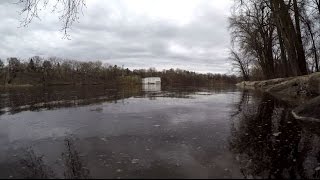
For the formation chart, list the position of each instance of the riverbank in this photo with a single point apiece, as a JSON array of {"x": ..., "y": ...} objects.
[{"x": 302, "y": 91}]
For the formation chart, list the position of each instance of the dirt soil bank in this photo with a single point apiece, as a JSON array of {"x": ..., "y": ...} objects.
[{"x": 303, "y": 91}]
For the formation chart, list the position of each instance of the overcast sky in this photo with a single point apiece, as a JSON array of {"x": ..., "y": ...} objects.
[{"x": 185, "y": 34}]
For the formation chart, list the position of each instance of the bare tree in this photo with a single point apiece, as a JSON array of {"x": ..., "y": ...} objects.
[
  {"x": 240, "y": 63},
  {"x": 291, "y": 33},
  {"x": 317, "y": 5},
  {"x": 310, "y": 18},
  {"x": 68, "y": 14},
  {"x": 253, "y": 32},
  {"x": 283, "y": 36},
  {"x": 310, "y": 30}
]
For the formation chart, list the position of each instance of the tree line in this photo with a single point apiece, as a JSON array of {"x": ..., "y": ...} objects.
[
  {"x": 275, "y": 38},
  {"x": 58, "y": 71}
]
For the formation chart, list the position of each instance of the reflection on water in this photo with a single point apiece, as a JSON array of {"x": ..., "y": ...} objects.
[
  {"x": 16, "y": 100},
  {"x": 32, "y": 165},
  {"x": 74, "y": 167},
  {"x": 157, "y": 133},
  {"x": 151, "y": 87},
  {"x": 269, "y": 143},
  {"x": 152, "y": 90}
]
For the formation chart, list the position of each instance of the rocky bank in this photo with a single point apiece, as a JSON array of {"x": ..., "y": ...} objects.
[{"x": 303, "y": 91}]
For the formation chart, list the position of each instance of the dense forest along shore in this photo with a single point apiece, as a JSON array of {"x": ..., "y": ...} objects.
[{"x": 54, "y": 71}]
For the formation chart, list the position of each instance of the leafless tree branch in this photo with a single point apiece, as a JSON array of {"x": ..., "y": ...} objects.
[{"x": 68, "y": 14}]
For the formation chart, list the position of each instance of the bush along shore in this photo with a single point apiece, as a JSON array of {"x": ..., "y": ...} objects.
[{"x": 303, "y": 91}]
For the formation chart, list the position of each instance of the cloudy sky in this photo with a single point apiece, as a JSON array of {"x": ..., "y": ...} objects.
[{"x": 185, "y": 34}]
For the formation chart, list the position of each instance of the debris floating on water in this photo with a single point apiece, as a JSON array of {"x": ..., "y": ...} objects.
[
  {"x": 103, "y": 139},
  {"x": 276, "y": 134},
  {"x": 134, "y": 161}
]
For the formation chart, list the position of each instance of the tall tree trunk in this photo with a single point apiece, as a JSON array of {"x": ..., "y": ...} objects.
[
  {"x": 269, "y": 60},
  {"x": 286, "y": 68},
  {"x": 300, "y": 51},
  {"x": 285, "y": 64},
  {"x": 291, "y": 39},
  {"x": 314, "y": 48}
]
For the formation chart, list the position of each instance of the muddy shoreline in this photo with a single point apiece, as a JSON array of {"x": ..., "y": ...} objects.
[{"x": 301, "y": 91}]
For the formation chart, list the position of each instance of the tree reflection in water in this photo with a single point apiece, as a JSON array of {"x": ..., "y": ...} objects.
[
  {"x": 270, "y": 143},
  {"x": 34, "y": 167},
  {"x": 74, "y": 167}
]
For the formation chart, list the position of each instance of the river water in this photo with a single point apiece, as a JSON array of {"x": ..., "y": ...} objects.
[{"x": 153, "y": 132}]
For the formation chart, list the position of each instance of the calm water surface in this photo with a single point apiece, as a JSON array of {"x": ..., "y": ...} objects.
[{"x": 153, "y": 132}]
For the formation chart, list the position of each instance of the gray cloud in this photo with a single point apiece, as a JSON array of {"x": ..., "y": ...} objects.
[{"x": 111, "y": 32}]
